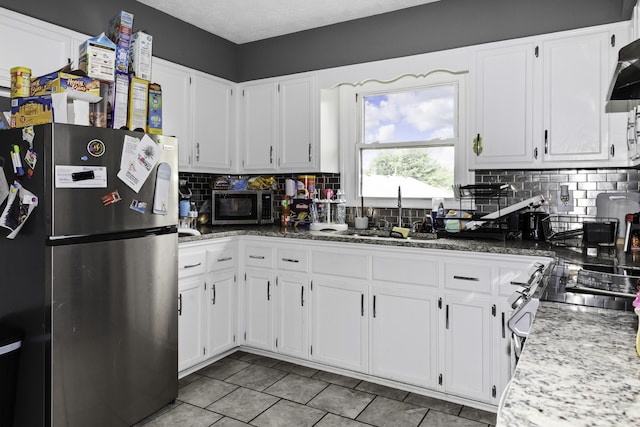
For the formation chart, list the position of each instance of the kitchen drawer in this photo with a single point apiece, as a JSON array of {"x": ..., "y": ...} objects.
[
  {"x": 510, "y": 279},
  {"x": 467, "y": 277},
  {"x": 343, "y": 264},
  {"x": 191, "y": 262},
  {"x": 293, "y": 259},
  {"x": 409, "y": 270},
  {"x": 221, "y": 257},
  {"x": 258, "y": 256}
]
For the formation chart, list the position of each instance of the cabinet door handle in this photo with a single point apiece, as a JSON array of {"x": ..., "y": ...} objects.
[
  {"x": 213, "y": 300},
  {"x": 471, "y": 279},
  {"x": 302, "y": 296},
  {"x": 290, "y": 260},
  {"x": 440, "y": 379},
  {"x": 268, "y": 290},
  {"x": 256, "y": 256},
  {"x": 362, "y": 305},
  {"x": 374, "y": 306},
  {"x": 546, "y": 141},
  {"x": 192, "y": 265},
  {"x": 225, "y": 259},
  {"x": 613, "y": 150},
  {"x": 504, "y": 335},
  {"x": 536, "y": 51},
  {"x": 518, "y": 283},
  {"x": 535, "y": 153},
  {"x": 440, "y": 303},
  {"x": 197, "y": 152},
  {"x": 309, "y": 152},
  {"x": 180, "y": 305},
  {"x": 446, "y": 318},
  {"x": 271, "y": 154}
]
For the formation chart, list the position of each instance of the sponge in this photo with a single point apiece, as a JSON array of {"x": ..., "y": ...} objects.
[{"x": 400, "y": 231}]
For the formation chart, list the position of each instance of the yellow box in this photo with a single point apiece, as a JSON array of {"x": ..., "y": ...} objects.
[
  {"x": 31, "y": 111},
  {"x": 137, "y": 108},
  {"x": 58, "y": 82}
]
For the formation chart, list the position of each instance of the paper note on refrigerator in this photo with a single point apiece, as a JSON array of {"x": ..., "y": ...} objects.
[
  {"x": 68, "y": 176},
  {"x": 137, "y": 162}
]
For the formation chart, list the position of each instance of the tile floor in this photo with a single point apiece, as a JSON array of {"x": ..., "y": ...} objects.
[{"x": 244, "y": 389}]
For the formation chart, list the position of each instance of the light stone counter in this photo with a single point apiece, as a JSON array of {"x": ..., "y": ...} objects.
[{"x": 579, "y": 367}]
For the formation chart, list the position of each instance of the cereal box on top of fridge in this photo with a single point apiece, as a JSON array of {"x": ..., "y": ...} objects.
[
  {"x": 137, "y": 109},
  {"x": 119, "y": 32},
  {"x": 31, "y": 111},
  {"x": 97, "y": 58},
  {"x": 140, "y": 52},
  {"x": 60, "y": 81},
  {"x": 118, "y": 101},
  {"x": 154, "y": 121}
]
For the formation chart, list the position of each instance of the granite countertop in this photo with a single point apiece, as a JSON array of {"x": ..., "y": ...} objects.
[
  {"x": 579, "y": 367},
  {"x": 428, "y": 241}
]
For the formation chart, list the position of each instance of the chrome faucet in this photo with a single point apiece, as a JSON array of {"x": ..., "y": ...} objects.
[{"x": 399, "y": 207}]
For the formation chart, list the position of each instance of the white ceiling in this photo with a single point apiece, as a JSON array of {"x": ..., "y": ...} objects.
[{"x": 242, "y": 21}]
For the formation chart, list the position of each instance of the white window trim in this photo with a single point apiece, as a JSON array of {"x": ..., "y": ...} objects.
[{"x": 350, "y": 128}]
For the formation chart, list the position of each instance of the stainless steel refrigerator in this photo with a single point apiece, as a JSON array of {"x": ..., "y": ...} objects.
[{"x": 91, "y": 276}]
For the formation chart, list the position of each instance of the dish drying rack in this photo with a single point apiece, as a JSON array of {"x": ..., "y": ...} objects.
[
  {"x": 468, "y": 195},
  {"x": 569, "y": 230}
]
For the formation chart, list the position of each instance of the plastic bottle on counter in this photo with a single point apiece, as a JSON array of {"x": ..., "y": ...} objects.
[{"x": 193, "y": 216}]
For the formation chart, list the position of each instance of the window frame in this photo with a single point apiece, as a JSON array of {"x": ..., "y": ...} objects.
[{"x": 352, "y": 134}]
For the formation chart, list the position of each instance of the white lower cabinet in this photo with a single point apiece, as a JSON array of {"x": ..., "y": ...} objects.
[
  {"x": 404, "y": 335},
  {"x": 259, "y": 287},
  {"x": 221, "y": 313},
  {"x": 190, "y": 324},
  {"x": 339, "y": 323},
  {"x": 467, "y": 346},
  {"x": 207, "y": 296},
  {"x": 292, "y": 301}
]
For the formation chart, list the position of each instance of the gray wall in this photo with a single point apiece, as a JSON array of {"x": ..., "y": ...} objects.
[
  {"x": 436, "y": 26},
  {"x": 173, "y": 40}
]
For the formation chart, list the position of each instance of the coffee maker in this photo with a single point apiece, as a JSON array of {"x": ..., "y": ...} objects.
[{"x": 186, "y": 208}]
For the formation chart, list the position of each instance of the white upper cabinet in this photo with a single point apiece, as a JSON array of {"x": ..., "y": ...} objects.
[
  {"x": 504, "y": 108},
  {"x": 258, "y": 123},
  {"x": 279, "y": 123},
  {"x": 33, "y": 44},
  {"x": 297, "y": 124},
  {"x": 540, "y": 102},
  {"x": 576, "y": 74},
  {"x": 212, "y": 111},
  {"x": 175, "y": 83},
  {"x": 198, "y": 109}
]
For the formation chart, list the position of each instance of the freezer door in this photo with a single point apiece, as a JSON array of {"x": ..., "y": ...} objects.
[
  {"x": 94, "y": 210},
  {"x": 114, "y": 330}
]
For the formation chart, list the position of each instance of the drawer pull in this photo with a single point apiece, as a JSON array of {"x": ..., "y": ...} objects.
[
  {"x": 225, "y": 259},
  {"x": 471, "y": 279},
  {"x": 518, "y": 283},
  {"x": 192, "y": 265},
  {"x": 290, "y": 260},
  {"x": 256, "y": 256}
]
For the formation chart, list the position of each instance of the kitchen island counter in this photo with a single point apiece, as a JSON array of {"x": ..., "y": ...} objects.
[{"x": 579, "y": 367}]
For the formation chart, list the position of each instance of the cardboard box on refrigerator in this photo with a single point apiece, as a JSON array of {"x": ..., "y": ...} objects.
[
  {"x": 154, "y": 121},
  {"x": 138, "y": 103},
  {"x": 118, "y": 101},
  {"x": 61, "y": 80},
  {"x": 119, "y": 32},
  {"x": 97, "y": 58},
  {"x": 31, "y": 111},
  {"x": 140, "y": 51},
  {"x": 73, "y": 107}
]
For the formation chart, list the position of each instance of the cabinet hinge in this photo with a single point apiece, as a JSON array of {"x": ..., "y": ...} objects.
[
  {"x": 190, "y": 81},
  {"x": 278, "y": 87},
  {"x": 494, "y": 391},
  {"x": 231, "y": 92},
  {"x": 493, "y": 310},
  {"x": 440, "y": 379},
  {"x": 243, "y": 92},
  {"x": 68, "y": 60},
  {"x": 440, "y": 303},
  {"x": 613, "y": 40}
]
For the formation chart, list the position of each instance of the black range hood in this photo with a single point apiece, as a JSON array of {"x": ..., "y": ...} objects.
[{"x": 624, "y": 90}]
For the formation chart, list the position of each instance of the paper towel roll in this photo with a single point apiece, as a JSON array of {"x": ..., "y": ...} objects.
[{"x": 291, "y": 187}]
